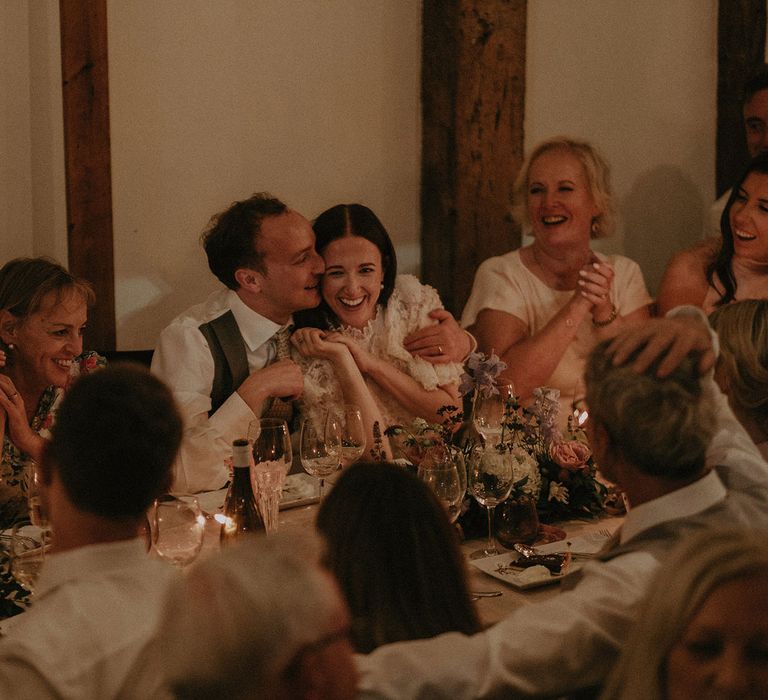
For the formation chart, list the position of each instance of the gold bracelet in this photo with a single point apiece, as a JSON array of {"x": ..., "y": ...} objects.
[{"x": 608, "y": 321}]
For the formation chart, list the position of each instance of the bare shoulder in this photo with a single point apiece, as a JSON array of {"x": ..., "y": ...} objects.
[{"x": 685, "y": 278}]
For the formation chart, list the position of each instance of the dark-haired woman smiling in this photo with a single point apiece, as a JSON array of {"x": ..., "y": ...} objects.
[{"x": 717, "y": 272}]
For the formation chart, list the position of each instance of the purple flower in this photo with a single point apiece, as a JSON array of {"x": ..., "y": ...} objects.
[{"x": 481, "y": 373}]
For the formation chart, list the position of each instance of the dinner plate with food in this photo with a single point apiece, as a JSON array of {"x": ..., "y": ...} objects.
[{"x": 530, "y": 567}]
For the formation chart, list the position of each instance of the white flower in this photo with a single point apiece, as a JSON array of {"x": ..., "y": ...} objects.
[
  {"x": 419, "y": 425},
  {"x": 496, "y": 463},
  {"x": 558, "y": 492},
  {"x": 524, "y": 465}
]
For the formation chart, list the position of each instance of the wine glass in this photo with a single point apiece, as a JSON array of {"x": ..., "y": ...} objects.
[
  {"x": 272, "y": 458},
  {"x": 488, "y": 413},
  {"x": 37, "y": 515},
  {"x": 27, "y": 554},
  {"x": 320, "y": 451},
  {"x": 442, "y": 476},
  {"x": 350, "y": 424},
  {"x": 490, "y": 482},
  {"x": 177, "y": 526}
]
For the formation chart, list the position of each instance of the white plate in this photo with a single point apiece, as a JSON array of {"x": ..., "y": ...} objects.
[{"x": 535, "y": 576}]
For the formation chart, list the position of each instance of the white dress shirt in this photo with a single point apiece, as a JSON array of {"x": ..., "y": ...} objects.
[
  {"x": 183, "y": 360},
  {"x": 571, "y": 641},
  {"x": 94, "y": 609}
]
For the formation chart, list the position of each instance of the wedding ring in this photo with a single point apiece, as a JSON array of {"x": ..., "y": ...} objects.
[{"x": 439, "y": 349}]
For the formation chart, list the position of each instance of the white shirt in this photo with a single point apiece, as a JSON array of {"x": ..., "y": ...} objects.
[
  {"x": 94, "y": 610},
  {"x": 570, "y": 641},
  {"x": 504, "y": 283},
  {"x": 183, "y": 360}
]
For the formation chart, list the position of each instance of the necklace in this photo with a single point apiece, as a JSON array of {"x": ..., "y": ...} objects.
[{"x": 563, "y": 275}]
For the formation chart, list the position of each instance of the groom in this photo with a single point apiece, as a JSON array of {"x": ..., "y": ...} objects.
[{"x": 225, "y": 358}]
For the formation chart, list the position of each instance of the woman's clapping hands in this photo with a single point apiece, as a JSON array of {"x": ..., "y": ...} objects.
[{"x": 595, "y": 283}]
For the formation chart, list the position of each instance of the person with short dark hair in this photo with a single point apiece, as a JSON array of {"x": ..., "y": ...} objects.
[
  {"x": 669, "y": 439},
  {"x": 400, "y": 567},
  {"x": 99, "y": 595},
  {"x": 227, "y": 360}
]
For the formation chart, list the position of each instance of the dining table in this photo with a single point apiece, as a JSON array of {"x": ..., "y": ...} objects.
[{"x": 299, "y": 510}]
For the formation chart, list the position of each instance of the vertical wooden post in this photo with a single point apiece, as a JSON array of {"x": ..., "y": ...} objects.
[
  {"x": 741, "y": 26},
  {"x": 473, "y": 85},
  {"x": 87, "y": 154}
]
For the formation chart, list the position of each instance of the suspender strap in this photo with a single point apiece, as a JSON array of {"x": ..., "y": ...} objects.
[{"x": 230, "y": 363}]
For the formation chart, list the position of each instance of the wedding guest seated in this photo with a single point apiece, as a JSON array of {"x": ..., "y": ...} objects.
[
  {"x": 43, "y": 310},
  {"x": 227, "y": 359},
  {"x": 669, "y": 439},
  {"x": 366, "y": 314},
  {"x": 543, "y": 308},
  {"x": 259, "y": 620},
  {"x": 720, "y": 270},
  {"x": 99, "y": 595},
  {"x": 754, "y": 111},
  {"x": 742, "y": 368},
  {"x": 396, "y": 557},
  {"x": 703, "y": 629}
]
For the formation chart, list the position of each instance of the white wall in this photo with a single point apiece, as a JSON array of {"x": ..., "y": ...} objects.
[
  {"x": 319, "y": 103},
  {"x": 315, "y": 102},
  {"x": 15, "y": 146},
  {"x": 638, "y": 80}
]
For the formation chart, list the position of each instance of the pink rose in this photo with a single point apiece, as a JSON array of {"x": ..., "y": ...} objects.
[
  {"x": 89, "y": 363},
  {"x": 572, "y": 455}
]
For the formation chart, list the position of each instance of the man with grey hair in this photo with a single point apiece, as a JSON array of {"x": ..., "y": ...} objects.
[
  {"x": 261, "y": 619},
  {"x": 670, "y": 440}
]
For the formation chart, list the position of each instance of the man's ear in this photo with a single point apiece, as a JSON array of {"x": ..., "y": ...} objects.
[{"x": 249, "y": 280}]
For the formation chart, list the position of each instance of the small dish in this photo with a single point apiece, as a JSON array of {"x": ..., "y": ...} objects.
[{"x": 501, "y": 566}]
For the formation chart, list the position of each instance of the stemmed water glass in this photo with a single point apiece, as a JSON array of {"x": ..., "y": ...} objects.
[
  {"x": 320, "y": 450},
  {"x": 27, "y": 554},
  {"x": 488, "y": 414},
  {"x": 348, "y": 420},
  {"x": 490, "y": 482},
  {"x": 177, "y": 526},
  {"x": 443, "y": 477},
  {"x": 272, "y": 458}
]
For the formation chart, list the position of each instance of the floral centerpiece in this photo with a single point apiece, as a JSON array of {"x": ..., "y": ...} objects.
[{"x": 556, "y": 470}]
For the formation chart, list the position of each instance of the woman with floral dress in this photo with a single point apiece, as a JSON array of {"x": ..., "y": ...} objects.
[{"x": 43, "y": 310}]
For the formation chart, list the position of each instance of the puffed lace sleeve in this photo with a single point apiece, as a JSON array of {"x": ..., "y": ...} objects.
[{"x": 407, "y": 311}]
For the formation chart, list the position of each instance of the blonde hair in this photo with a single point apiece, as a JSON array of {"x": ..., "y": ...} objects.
[
  {"x": 598, "y": 182},
  {"x": 661, "y": 425},
  {"x": 703, "y": 563},
  {"x": 743, "y": 331}
]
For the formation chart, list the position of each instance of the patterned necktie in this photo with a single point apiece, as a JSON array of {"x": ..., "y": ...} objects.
[{"x": 277, "y": 408}]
